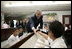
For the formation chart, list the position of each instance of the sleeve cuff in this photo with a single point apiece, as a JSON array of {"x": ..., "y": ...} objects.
[{"x": 33, "y": 28}]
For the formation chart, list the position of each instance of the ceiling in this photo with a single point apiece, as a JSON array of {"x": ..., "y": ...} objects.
[{"x": 24, "y": 10}]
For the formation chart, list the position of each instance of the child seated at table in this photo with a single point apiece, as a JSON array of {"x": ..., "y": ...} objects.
[
  {"x": 14, "y": 37},
  {"x": 21, "y": 32},
  {"x": 54, "y": 37}
]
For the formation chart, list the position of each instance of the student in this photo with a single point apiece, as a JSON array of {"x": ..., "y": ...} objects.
[
  {"x": 45, "y": 29},
  {"x": 66, "y": 28},
  {"x": 12, "y": 23},
  {"x": 54, "y": 37},
  {"x": 14, "y": 37},
  {"x": 69, "y": 27},
  {"x": 24, "y": 24},
  {"x": 5, "y": 25},
  {"x": 21, "y": 32}
]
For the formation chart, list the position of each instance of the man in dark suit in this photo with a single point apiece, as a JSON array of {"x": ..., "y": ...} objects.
[{"x": 34, "y": 21}]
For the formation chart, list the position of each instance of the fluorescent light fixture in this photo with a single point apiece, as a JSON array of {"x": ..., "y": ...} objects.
[
  {"x": 50, "y": 2},
  {"x": 17, "y": 3},
  {"x": 32, "y": 3}
]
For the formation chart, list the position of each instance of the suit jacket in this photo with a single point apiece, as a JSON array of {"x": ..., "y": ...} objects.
[{"x": 34, "y": 22}]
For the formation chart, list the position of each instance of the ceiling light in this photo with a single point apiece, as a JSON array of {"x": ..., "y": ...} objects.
[{"x": 33, "y": 3}]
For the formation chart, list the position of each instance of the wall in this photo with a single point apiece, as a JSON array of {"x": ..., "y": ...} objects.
[
  {"x": 59, "y": 14},
  {"x": 2, "y": 18}
]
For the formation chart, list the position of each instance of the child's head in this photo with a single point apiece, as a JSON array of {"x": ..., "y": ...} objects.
[
  {"x": 56, "y": 29},
  {"x": 20, "y": 29},
  {"x": 46, "y": 26},
  {"x": 16, "y": 31}
]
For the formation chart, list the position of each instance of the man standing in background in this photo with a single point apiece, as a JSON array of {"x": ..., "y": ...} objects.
[{"x": 34, "y": 21}]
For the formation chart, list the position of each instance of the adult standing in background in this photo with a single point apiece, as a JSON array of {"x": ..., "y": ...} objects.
[{"x": 34, "y": 21}]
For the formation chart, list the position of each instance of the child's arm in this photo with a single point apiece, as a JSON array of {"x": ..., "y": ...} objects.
[{"x": 44, "y": 35}]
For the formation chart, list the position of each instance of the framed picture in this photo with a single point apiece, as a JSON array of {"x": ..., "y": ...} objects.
[{"x": 66, "y": 20}]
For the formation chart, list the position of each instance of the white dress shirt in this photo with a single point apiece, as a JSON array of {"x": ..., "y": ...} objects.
[
  {"x": 12, "y": 39},
  {"x": 57, "y": 43},
  {"x": 5, "y": 26}
]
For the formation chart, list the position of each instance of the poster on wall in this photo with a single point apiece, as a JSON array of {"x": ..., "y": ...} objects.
[{"x": 66, "y": 20}]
